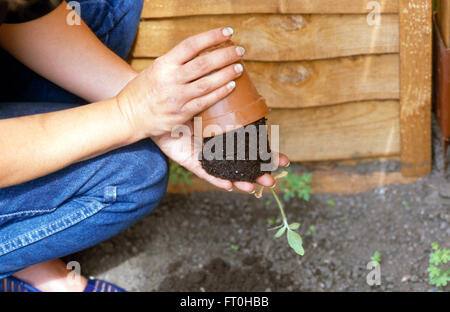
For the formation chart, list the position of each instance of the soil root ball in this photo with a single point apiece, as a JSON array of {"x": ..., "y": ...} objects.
[{"x": 226, "y": 164}]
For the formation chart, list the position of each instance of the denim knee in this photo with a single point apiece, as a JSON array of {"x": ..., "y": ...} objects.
[
  {"x": 98, "y": 198},
  {"x": 142, "y": 176}
]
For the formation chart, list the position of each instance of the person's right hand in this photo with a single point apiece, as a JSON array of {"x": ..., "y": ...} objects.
[{"x": 174, "y": 88}]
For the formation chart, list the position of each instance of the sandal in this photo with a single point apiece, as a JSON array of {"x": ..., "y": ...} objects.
[{"x": 12, "y": 284}]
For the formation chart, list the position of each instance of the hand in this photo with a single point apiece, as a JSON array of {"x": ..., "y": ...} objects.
[
  {"x": 174, "y": 88},
  {"x": 184, "y": 151}
]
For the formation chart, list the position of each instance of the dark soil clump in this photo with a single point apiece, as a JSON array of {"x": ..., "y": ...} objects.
[
  {"x": 236, "y": 168},
  {"x": 219, "y": 275}
]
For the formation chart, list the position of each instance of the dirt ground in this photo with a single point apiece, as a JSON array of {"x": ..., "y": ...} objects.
[{"x": 218, "y": 241}]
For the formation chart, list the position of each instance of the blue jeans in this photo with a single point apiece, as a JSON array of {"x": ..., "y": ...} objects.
[{"x": 90, "y": 201}]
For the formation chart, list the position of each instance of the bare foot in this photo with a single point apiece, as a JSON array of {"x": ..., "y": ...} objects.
[{"x": 52, "y": 276}]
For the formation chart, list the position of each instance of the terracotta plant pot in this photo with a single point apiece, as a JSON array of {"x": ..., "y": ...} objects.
[{"x": 241, "y": 107}]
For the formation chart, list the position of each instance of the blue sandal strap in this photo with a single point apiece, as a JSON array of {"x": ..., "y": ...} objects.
[
  {"x": 12, "y": 284},
  {"x": 96, "y": 285}
]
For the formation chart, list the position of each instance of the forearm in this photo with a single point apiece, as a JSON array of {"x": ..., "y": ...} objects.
[
  {"x": 33, "y": 146},
  {"x": 70, "y": 56}
]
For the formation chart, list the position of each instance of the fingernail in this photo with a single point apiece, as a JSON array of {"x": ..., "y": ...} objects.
[
  {"x": 238, "y": 68},
  {"x": 253, "y": 192},
  {"x": 231, "y": 85},
  {"x": 273, "y": 186},
  {"x": 289, "y": 163},
  {"x": 227, "y": 31},
  {"x": 230, "y": 190},
  {"x": 240, "y": 51}
]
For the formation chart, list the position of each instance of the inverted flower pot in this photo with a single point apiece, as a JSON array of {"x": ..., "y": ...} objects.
[{"x": 242, "y": 107}]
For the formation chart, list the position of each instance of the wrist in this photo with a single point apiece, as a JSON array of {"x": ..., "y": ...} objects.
[{"x": 131, "y": 133}]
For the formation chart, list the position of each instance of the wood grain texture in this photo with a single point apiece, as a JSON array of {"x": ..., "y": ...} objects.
[
  {"x": 327, "y": 181},
  {"x": 444, "y": 20},
  {"x": 167, "y": 8},
  {"x": 415, "y": 86},
  {"x": 273, "y": 37},
  {"x": 344, "y": 131},
  {"x": 327, "y": 82},
  {"x": 321, "y": 82}
]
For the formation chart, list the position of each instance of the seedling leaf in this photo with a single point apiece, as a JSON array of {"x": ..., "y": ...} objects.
[
  {"x": 234, "y": 247},
  {"x": 295, "y": 241},
  {"x": 294, "y": 226},
  {"x": 439, "y": 273},
  {"x": 376, "y": 257},
  {"x": 280, "y": 232}
]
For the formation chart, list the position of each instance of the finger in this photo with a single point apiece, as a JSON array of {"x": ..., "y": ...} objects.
[
  {"x": 266, "y": 180},
  {"x": 206, "y": 63},
  {"x": 192, "y": 46},
  {"x": 199, "y": 104},
  {"x": 214, "y": 81},
  {"x": 283, "y": 160},
  {"x": 245, "y": 186}
]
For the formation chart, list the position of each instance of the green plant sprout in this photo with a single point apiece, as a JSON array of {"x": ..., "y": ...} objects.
[
  {"x": 273, "y": 221},
  {"x": 331, "y": 202},
  {"x": 376, "y": 257},
  {"x": 294, "y": 239},
  {"x": 405, "y": 203},
  {"x": 296, "y": 186},
  {"x": 234, "y": 247},
  {"x": 179, "y": 175},
  {"x": 439, "y": 272},
  {"x": 311, "y": 230}
]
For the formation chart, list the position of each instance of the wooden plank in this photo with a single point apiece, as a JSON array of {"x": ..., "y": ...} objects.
[
  {"x": 344, "y": 131},
  {"x": 270, "y": 37},
  {"x": 444, "y": 20},
  {"x": 327, "y": 82},
  {"x": 167, "y": 8},
  {"x": 415, "y": 86},
  {"x": 322, "y": 82},
  {"x": 329, "y": 182},
  {"x": 333, "y": 164}
]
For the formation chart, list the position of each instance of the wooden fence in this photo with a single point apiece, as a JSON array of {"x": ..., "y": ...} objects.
[{"x": 340, "y": 85}]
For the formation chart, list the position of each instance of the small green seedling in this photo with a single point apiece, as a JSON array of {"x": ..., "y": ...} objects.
[
  {"x": 376, "y": 257},
  {"x": 405, "y": 203},
  {"x": 179, "y": 175},
  {"x": 273, "y": 221},
  {"x": 311, "y": 230},
  {"x": 294, "y": 239},
  {"x": 268, "y": 203},
  {"x": 439, "y": 272},
  {"x": 331, "y": 202},
  {"x": 343, "y": 218},
  {"x": 234, "y": 247},
  {"x": 296, "y": 186}
]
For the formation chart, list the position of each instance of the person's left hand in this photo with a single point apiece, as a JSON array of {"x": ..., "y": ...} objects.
[{"x": 183, "y": 151}]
